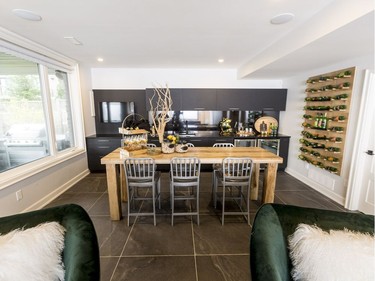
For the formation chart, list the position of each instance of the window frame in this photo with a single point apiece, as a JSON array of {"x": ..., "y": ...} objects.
[{"x": 45, "y": 58}]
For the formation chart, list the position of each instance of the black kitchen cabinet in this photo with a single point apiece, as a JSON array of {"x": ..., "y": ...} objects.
[
  {"x": 98, "y": 147},
  {"x": 198, "y": 99},
  {"x": 136, "y": 96},
  {"x": 225, "y": 99},
  {"x": 283, "y": 152},
  {"x": 251, "y": 99},
  {"x": 176, "y": 95}
]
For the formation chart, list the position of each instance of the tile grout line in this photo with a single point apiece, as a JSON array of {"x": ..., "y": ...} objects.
[
  {"x": 194, "y": 251},
  {"x": 127, "y": 240},
  {"x": 123, "y": 249}
]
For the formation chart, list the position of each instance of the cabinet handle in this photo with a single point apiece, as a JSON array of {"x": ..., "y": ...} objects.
[
  {"x": 199, "y": 108},
  {"x": 234, "y": 108},
  {"x": 103, "y": 147},
  {"x": 103, "y": 140}
]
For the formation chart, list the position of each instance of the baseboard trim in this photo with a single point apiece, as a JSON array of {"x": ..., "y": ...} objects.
[
  {"x": 321, "y": 189},
  {"x": 56, "y": 193}
]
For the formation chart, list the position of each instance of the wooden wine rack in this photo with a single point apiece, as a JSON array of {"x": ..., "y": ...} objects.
[{"x": 327, "y": 95}]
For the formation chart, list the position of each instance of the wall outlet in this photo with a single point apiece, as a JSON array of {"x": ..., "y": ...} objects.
[{"x": 19, "y": 195}]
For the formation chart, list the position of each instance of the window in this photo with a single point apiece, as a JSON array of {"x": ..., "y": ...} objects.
[
  {"x": 35, "y": 112},
  {"x": 62, "y": 116}
]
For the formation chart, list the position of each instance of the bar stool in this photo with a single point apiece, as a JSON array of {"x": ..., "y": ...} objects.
[
  {"x": 234, "y": 178},
  {"x": 141, "y": 178},
  {"x": 217, "y": 167},
  {"x": 184, "y": 178}
]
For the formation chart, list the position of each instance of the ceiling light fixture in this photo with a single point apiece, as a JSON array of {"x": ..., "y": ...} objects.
[
  {"x": 282, "y": 18},
  {"x": 100, "y": 59},
  {"x": 26, "y": 14},
  {"x": 73, "y": 40},
  {"x": 220, "y": 60}
]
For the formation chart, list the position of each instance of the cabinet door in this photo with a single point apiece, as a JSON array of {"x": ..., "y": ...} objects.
[
  {"x": 251, "y": 99},
  {"x": 283, "y": 152},
  {"x": 232, "y": 99},
  {"x": 98, "y": 148},
  {"x": 175, "y": 95},
  {"x": 198, "y": 99}
]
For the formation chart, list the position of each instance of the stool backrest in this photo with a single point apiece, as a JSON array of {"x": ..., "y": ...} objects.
[
  {"x": 223, "y": 144},
  {"x": 139, "y": 171},
  {"x": 185, "y": 168},
  {"x": 237, "y": 170}
]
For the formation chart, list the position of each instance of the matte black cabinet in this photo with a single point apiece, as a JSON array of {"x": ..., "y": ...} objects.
[
  {"x": 198, "y": 99},
  {"x": 251, "y": 99},
  {"x": 136, "y": 96},
  {"x": 226, "y": 99},
  {"x": 283, "y": 152},
  {"x": 98, "y": 147},
  {"x": 176, "y": 95}
]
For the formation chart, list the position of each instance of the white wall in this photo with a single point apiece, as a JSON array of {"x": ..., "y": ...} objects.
[
  {"x": 86, "y": 94},
  {"x": 123, "y": 78},
  {"x": 43, "y": 187},
  {"x": 331, "y": 185}
]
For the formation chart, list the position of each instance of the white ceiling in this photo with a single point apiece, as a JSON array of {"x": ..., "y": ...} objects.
[{"x": 196, "y": 33}]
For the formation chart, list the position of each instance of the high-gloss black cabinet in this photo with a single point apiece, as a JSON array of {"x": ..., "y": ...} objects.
[{"x": 98, "y": 147}]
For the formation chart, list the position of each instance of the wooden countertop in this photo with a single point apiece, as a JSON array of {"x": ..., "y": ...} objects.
[{"x": 207, "y": 155}]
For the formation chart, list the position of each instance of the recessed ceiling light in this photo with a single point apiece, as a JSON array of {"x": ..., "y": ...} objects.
[
  {"x": 27, "y": 15},
  {"x": 220, "y": 60},
  {"x": 100, "y": 59},
  {"x": 282, "y": 18},
  {"x": 73, "y": 40}
]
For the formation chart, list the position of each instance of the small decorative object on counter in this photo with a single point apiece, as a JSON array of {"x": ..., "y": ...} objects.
[
  {"x": 132, "y": 138},
  {"x": 263, "y": 129},
  {"x": 181, "y": 148},
  {"x": 167, "y": 147},
  {"x": 273, "y": 130},
  {"x": 225, "y": 127}
]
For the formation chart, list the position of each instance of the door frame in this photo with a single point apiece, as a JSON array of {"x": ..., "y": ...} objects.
[{"x": 355, "y": 184}]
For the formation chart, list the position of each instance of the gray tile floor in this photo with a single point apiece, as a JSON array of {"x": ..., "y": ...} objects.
[{"x": 184, "y": 251}]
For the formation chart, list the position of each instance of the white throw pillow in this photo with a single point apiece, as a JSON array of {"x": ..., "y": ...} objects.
[
  {"x": 340, "y": 255},
  {"x": 32, "y": 254}
]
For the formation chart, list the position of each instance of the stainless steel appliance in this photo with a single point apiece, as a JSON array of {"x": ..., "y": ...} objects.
[
  {"x": 272, "y": 145},
  {"x": 245, "y": 142}
]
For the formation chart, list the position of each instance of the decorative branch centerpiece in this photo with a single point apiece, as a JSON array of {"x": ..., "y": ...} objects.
[{"x": 161, "y": 104}]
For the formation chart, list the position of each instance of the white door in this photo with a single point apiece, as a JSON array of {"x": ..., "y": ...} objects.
[{"x": 360, "y": 195}]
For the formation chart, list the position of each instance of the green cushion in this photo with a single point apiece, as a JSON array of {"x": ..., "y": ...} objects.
[
  {"x": 81, "y": 251},
  {"x": 273, "y": 223}
]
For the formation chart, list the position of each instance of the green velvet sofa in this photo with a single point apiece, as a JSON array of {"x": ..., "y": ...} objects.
[
  {"x": 273, "y": 223},
  {"x": 81, "y": 251}
]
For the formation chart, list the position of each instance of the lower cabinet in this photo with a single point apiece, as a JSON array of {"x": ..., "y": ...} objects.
[{"x": 98, "y": 147}]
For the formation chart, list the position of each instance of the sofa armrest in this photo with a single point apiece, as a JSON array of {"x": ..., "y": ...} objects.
[
  {"x": 81, "y": 250},
  {"x": 268, "y": 249},
  {"x": 273, "y": 223}
]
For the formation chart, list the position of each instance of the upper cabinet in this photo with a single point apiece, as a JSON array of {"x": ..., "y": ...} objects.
[
  {"x": 225, "y": 99},
  {"x": 175, "y": 95},
  {"x": 198, "y": 99},
  {"x": 251, "y": 99}
]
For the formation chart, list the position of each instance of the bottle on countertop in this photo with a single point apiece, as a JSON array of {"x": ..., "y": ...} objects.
[{"x": 263, "y": 129}]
